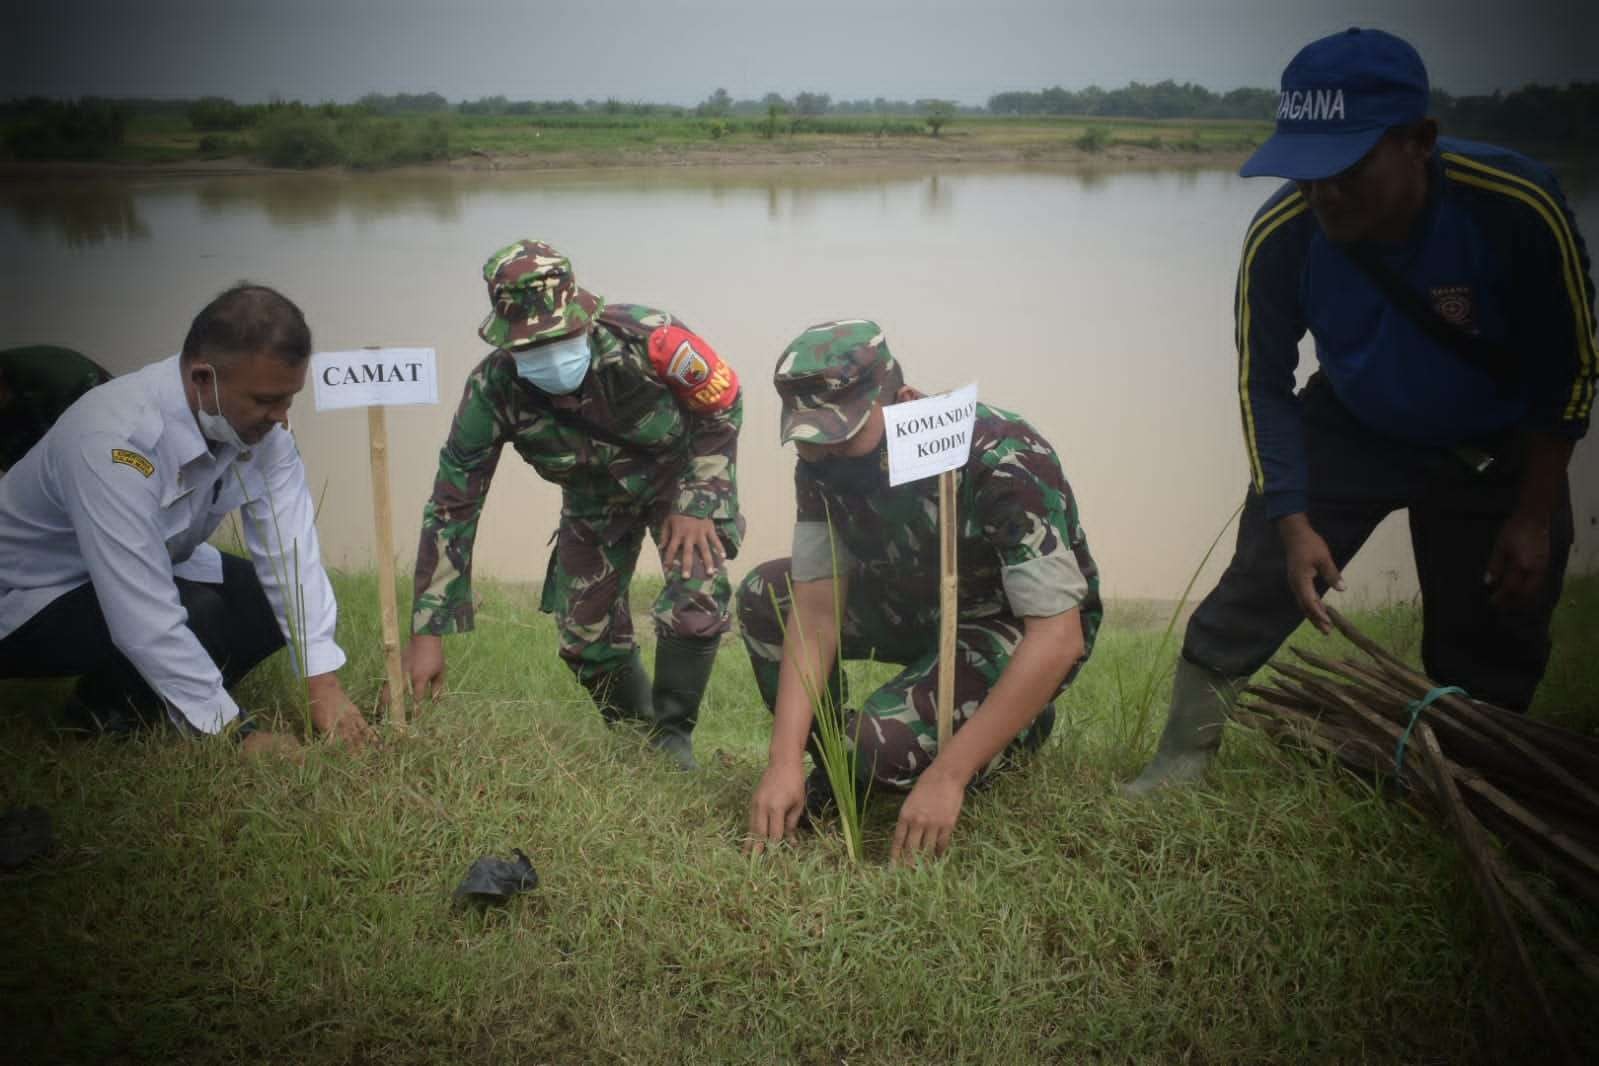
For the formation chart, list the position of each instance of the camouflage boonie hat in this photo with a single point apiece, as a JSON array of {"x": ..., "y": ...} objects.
[
  {"x": 830, "y": 376},
  {"x": 535, "y": 296}
]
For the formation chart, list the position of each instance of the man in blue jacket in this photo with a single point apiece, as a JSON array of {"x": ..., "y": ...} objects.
[{"x": 1448, "y": 293}]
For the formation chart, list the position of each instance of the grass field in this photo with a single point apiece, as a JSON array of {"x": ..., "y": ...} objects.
[{"x": 204, "y": 908}]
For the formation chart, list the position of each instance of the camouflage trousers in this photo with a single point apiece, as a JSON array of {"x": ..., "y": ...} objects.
[
  {"x": 586, "y": 588},
  {"x": 895, "y": 732}
]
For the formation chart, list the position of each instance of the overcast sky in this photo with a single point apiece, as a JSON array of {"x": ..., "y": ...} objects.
[{"x": 678, "y": 51}]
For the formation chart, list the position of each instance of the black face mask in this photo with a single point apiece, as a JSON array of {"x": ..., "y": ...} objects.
[{"x": 857, "y": 475}]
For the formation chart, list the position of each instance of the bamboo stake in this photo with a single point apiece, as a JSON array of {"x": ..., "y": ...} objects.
[
  {"x": 1520, "y": 780},
  {"x": 948, "y": 605},
  {"x": 1530, "y": 850},
  {"x": 1580, "y": 956},
  {"x": 383, "y": 523},
  {"x": 1491, "y": 730},
  {"x": 1396, "y": 701},
  {"x": 1474, "y": 842},
  {"x": 1488, "y": 729},
  {"x": 1528, "y": 821}
]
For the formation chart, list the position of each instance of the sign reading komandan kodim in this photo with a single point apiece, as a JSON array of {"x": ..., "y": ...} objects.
[{"x": 930, "y": 435}]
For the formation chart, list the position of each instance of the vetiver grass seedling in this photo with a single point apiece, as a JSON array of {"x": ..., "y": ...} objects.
[
  {"x": 835, "y": 748},
  {"x": 286, "y": 565}
]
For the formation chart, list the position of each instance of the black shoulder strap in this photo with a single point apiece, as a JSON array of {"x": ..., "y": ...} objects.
[
  {"x": 1491, "y": 358},
  {"x": 541, "y": 400}
]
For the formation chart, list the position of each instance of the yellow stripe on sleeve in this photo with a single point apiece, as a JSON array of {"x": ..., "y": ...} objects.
[
  {"x": 1291, "y": 207},
  {"x": 1536, "y": 197}
]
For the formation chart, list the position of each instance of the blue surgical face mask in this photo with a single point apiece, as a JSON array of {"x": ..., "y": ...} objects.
[
  {"x": 557, "y": 368},
  {"x": 215, "y": 427}
]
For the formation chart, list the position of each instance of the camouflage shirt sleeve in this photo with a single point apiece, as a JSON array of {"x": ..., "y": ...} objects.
[
  {"x": 1026, "y": 510},
  {"x": 711, "y": 477},
  {"x": 817, "y": 553},
  {"x": 442, "y": 588}
]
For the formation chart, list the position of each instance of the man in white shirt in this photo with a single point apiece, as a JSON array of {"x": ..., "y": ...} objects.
[{"x": 105, "y": 572}]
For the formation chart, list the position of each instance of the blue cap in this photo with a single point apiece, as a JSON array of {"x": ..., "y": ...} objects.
[{"x": 1339, "y": 96}]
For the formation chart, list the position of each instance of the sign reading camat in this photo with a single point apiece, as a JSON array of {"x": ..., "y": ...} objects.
[
  {"x": 375, "y": 377},
  {"x": 930, "y": 435}
]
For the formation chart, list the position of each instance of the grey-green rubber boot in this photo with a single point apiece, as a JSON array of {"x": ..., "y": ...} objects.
[
  {"x": 682, "y": 669},
  {"x": 1200, "y": 702},
  {"x": 623, "y": 695}
]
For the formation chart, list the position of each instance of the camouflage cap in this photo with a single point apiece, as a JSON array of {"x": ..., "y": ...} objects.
[
  {"x": 535, "y": 296},
  {"x": 830, "y": 376}
]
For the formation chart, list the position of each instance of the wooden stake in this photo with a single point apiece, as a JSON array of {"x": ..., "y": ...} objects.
[
  {"x": 948, "y": 604},
  {"x": 383, "y": 524},
  {"x": 1474, "y": 843}
]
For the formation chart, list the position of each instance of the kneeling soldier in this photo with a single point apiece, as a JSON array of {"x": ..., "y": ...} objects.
[{"x": 1029, "y": 594}]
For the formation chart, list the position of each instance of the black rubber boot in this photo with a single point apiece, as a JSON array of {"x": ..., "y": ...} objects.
[
  {"x": 623, "y": 695},
  {"x": 26, "y": 834},
  {"x": 682, "y": 669},
  {"x": 1200, "y": 703}
]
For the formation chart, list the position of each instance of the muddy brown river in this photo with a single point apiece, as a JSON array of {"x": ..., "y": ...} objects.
[{"x": 1099, "y": 306}]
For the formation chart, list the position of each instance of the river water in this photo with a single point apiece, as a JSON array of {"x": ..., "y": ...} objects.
[{"x": 1098, "y": 305}]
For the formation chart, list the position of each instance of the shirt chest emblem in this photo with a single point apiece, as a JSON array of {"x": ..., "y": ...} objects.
[
  {"x": 1456, "y": 305},
  {"x": 133, "y": 459}
]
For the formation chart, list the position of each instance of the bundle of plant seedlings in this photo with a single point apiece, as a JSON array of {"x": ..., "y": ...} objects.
[{"x": 1518, "y": 795}]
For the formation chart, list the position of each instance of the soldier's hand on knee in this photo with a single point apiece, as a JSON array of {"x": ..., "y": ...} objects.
[
  {"x": 687, "y": 541},
  {"x": 776, "y": 807},
  {"x": 927, "y": 819}
]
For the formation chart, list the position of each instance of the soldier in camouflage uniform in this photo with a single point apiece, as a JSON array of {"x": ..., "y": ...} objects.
[
  {"x": 1029, "y": 594},
  {"x": 637, "y": 419}
]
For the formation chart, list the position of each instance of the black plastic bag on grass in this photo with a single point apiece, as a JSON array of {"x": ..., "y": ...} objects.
[
  {"x": 491, "y": 880},
  {"x": 26, "y": 834}
]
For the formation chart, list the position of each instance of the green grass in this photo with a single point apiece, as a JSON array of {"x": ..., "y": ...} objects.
[{"x": 204, "y": 908}]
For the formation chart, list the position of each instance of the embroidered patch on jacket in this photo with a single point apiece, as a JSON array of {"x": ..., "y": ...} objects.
[
  {"x": 692, "y": 370},
  {"x": 133, "y": 459},
  {"x": 1453, "y": 304},
  {"x": 688, "y": 367}
]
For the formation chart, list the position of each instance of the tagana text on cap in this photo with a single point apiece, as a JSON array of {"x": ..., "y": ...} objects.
[{"x": 1340, "y": 94}]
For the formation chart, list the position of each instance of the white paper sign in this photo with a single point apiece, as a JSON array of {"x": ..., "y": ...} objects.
[
  {"x": 375, "y": 377},
  {"x": 930, "y": 435}
]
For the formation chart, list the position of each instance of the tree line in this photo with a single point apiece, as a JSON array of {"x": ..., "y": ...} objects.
[{"x": 1534, "y": 114}]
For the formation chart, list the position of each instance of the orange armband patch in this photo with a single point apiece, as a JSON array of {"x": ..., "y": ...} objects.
[{"x": 697, "y": 376}]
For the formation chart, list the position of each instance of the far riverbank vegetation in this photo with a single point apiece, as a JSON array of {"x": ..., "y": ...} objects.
[{"x": 380, "y": 131}]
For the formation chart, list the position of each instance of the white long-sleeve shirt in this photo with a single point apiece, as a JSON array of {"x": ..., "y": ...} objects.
[{"x": 122, "y": 493}]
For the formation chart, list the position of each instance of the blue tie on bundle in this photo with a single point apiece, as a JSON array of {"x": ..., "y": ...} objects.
[{"x": 1415, "y": 707}]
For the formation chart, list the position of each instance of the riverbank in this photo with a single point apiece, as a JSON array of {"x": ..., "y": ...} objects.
[
  {"x": 203, "y": 909},
  {"x": 159, "y": 145},
  {"x": 850, "y": 156}
]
